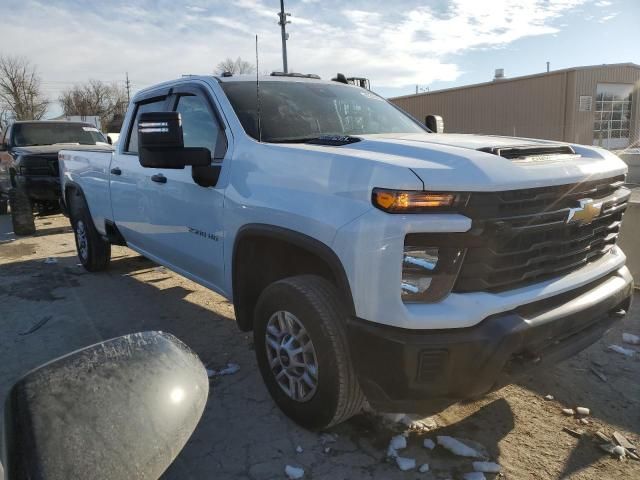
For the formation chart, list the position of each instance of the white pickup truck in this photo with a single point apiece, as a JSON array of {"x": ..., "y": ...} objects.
[{"x": 373, "y": 259}]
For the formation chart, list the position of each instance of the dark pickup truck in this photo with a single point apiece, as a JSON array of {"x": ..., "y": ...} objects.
[{"x": 29, "y": 176}]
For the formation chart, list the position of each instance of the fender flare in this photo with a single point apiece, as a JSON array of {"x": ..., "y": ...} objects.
[{"x": 305, "y": 242}]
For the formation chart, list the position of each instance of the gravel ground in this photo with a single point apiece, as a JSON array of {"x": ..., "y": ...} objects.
[{"x": 242, "y": 433}]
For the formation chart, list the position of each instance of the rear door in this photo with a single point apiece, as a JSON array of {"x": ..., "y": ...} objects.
[
  {"x": 187, "y": 218},
  {"x": 130, "y": 185}
]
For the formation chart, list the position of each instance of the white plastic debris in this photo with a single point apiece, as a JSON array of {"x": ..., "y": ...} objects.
[
  {"x": 428, "y": 443},
  {"x": 230, "y": 369},
  {"x": 50, "y": 260},
  {"x": 474, "y": 476},
  {"x": 391, "y": 452},
  {"x": 568, "y": 411},
  {"x": 327, "y": 449},
  {"x": 486, "y": 467},
  {"x": 627, "y": 352},
  {"x": 293, "y": 473},
  {"x": 424, "y": 468},
  {"x": 631, "y": 339},
  {"x": 405, "y": 463},
  {"x": 583, "y": 411},
  {"x": 299, "y": 449},
  {"x": 457, "y": 447},
  {"x": 398, "y": 442},
  {"x": 548, "y": 397},
  {"x": 619, "y": 451}
]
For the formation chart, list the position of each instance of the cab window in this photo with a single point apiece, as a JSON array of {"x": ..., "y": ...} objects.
[
  {"x": 200, "y": 128},
  {"x": 153, "y": 106}
]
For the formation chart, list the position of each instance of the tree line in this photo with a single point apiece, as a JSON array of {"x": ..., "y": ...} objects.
[{"x": 22, "y": 96}]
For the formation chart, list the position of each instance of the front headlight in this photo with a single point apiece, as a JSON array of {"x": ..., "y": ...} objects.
[{"x": 428, "y": 272}]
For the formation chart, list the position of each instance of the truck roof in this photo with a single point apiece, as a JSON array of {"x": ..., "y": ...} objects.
[
  {"x": 20, "y": 122},
  {"x": 239, "y": 78}
]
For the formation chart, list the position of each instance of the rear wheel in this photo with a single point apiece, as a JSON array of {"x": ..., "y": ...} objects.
[
  {"x": 21, "y": 212},
  {"x": 93, "y": 251},
  {"x": 302, "y": 351}
]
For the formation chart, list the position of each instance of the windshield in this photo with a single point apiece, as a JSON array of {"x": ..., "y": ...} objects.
[
  {"x": 31, "y": 134},
  {"x": 300, "y": 111}
]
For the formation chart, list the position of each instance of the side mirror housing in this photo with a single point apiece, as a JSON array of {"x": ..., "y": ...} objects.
[
  {"x": 120, "y": 409},
  {"x": 435, "y": 123},
  {"x": 161, "y": 144}
]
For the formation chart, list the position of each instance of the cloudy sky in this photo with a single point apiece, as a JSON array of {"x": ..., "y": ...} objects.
[{"x": 398, "y": 44}]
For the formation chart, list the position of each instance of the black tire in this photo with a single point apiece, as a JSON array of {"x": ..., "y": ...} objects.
[
  {"x": 21, "y": 212},
  {"x": 4, "y": 206},
  {"x": 317, "y": 306},
  {"x": 94, "y": 252}
]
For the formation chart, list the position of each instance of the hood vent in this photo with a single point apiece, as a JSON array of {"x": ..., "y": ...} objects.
[{"x": 531, "y": 153}]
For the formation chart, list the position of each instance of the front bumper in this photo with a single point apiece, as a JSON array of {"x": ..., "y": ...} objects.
[
  {"x": 40, "y": 188},
  {"x": 404, "y": 370}
]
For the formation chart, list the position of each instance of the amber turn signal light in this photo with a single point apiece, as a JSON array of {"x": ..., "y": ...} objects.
[{"x": 408, "y": 201}]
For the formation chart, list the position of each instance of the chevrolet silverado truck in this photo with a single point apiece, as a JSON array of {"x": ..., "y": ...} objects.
[
  {"x": 29, "y": 175},
  {"x": 374, "y": 260}
]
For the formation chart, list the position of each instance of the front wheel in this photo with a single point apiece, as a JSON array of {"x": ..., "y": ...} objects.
[{"x": 302, "y": 351}]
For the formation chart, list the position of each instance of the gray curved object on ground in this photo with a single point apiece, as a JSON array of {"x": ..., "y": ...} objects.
[{"x": 121, "y": 409}]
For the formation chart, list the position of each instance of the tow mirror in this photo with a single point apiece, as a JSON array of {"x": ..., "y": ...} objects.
[
  {"x": 435, "y": 123},
  {"x": 161, "y": 145},
  {"x": 121, "y": 409}
]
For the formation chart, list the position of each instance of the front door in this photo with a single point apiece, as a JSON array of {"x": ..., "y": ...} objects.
[{"x": 186, "y": 219}]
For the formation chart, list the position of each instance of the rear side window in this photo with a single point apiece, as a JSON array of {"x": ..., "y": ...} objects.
[{"x": 154, "y": 106}]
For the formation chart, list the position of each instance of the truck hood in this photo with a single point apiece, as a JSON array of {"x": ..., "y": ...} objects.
[
  {"x": 55, "y": 148},
  {"x": 457, "y": 162}
]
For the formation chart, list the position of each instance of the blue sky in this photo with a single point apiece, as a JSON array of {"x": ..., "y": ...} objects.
[{"x": 397, "y": 44}]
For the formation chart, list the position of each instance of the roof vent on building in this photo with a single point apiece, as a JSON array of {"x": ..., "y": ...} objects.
[{"x": 499, "y": 75}]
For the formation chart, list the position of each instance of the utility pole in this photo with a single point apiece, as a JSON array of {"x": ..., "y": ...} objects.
[
  {"x": 285, "y": 36},
  {"x": 548, "y": 65},
  {"x": 128, "y": 84}
]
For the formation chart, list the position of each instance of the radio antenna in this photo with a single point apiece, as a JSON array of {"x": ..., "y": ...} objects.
[{"x": 258, "y": 92}]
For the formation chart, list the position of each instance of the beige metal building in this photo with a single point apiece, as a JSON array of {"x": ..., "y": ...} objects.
[{"x": 597, "y": 105}]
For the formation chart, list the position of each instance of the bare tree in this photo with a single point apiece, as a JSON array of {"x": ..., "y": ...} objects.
[
  {"x": 236, "y": 67},
  {"x": 107, "y": 101},
  {"x": 20, "y": 89}
]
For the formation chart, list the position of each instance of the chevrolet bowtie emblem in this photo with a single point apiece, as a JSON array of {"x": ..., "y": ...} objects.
[{"x": 585, "y": 213}]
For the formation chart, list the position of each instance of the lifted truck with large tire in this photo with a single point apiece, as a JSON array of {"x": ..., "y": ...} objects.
[
  {"x": 373, "y": 259},
  {"x": 29, "y": 176}
]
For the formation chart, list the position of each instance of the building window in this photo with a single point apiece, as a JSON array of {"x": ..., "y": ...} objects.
[{"x": 612, "y": 115}]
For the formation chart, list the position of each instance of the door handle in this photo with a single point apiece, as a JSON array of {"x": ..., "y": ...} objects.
[
  {"x": 116, "y": 171},
  {"x": 159, "y": 178}
]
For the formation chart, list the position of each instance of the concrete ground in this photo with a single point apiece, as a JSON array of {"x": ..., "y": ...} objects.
[{"x": 242, "y": 433}]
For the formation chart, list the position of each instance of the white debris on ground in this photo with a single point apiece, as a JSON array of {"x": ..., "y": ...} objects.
[
  {"x": 487, "y": 467},
  {"x": 405, "y": 463},
  {"x": 230, "y": 369},
  {"x": 328, "y": 438},
  {"x": 299, "y": 449},
  {"x": 568, "y": 411},
  {"x": 583, "y": 411},
  {"x": 619, "y": 451},
  {"x": 474, "y": 476},
  {"x": 457, "y": 447},
  {"x": 293, "y": 473},
  {"x": 50, "y": 260},
  {"x": 631, "y": 339},
  {"x": 413, "y": 422},
  {"x": 397, "y": 443},
  {"x": 549, "y": 397},
  {"x": 424, "y": 468},
  {"x": 627, "y": 352},
  {"x": 428, "y": 443}
]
